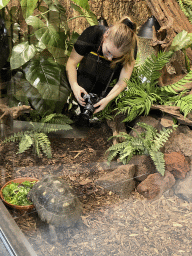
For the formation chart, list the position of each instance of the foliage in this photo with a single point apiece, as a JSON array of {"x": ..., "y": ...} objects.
[
  {"x": 41, "y": 43},
  {"x": 143, "y": 91},
  {"x": 148, "y": 142},
  {"x": 82, "y": 6},
  {"x": 186, "y": 7},
  {"x": 16, "y": 193},
  {"x": 37, "y": 137}
]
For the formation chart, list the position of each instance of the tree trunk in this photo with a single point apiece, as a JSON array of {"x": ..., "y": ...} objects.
[{"x": 171, "y": 19}]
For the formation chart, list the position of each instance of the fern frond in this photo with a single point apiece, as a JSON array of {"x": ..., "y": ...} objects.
[
  {"x": 57, "y": 119},
  {"x": 44, "y": 143},
  {"x": 25, "y": 143},
  {"x": 47, "y": 128},
  {"x": 186, "y": 7},
  {"x": 138, "y": 146},
  {"x": 15, "y": 137},
  {"x": 150, "y": 69},
  {"x": 159, "y": 161},
  {"x": 126, "y": 154},
  {"x": 178, "y": 86},
  {"x": 112, "y": 154},
  {"x": 119, "y": 146},
  {"x": 150, "y": 131},
  {"x": 36, "y": 145},
  {"x": 161, "y": 138},
  {"x": 185, "y": 104}
]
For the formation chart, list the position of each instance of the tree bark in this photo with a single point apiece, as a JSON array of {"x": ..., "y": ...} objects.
[{"x": 171, "y": 19}]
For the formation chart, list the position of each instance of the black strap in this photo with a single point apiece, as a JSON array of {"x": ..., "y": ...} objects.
[{"x": 103, "y": 92}]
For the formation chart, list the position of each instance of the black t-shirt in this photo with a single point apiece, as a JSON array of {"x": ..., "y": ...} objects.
[
  {"x": 90, "y": 40},
  {"x": 91, "y": 75}
]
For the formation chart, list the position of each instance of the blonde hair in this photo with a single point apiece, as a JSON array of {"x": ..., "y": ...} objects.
[{"x": 124, "y": 38}]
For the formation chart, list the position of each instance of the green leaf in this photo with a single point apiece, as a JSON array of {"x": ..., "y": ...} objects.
[
  {"x": 45, "y": 33},
  {"x": 82, "y": 3},
  {"x": 3, "y": 3},
  {"x": 21, "y": 54},
  {"x": 23, "y": 90},
  {"x": 45, "y": 76},
  {"x": 58, "y": 54},
  {"x": 91, "y": 18},
  {"x": 180, "y": 41},
  {"x": 35, "y": 22},
  {"x": 48, "y": 35},
  {"x": 28, "y": 7},
  {"x": 89, "y": 15},
  {"x": 48, "y": 2},
  {"x": 77, "y": 8}
]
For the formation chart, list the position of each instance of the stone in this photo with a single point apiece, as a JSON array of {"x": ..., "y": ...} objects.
[
  {"x": 120, "y": 181},
  {"x": 155, "y": 185},
  {"x": 180, "y": 141},
  {"x": 144, "y": 166},
  {"x": 176, "y": 163},
  {"x": 167, "y": 121},
  {"x": 145, "y": 119},
  {"x": 183, "y": 188}
]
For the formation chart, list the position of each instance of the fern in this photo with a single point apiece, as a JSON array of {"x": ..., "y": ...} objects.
[
  {"x": 142, "y": 90},
  {"x": 161, "y": 138},
  {"x": 185, "y": 104},
  {"x": 148, "y": 142},
  {"x": 178, "y": 85},
  {"x": 25, "y": 143},
  {"x": 186, "y": 7},
  {"x": 57, "y": 119},
  {"x": 152, "y": 66},
  {"x": 37, "y": 137},
  {"x": 44, "y": 143},
  {"x": 14, "y": 138},
  {"x": 158, "y": 159}
]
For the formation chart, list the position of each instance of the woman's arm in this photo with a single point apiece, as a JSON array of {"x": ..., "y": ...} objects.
[
  {"x": 118, "y": 88},
  {"x": 71, "y": 69}
]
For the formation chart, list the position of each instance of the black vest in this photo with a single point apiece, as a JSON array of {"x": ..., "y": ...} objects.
[{"x": 95, "y": 73}]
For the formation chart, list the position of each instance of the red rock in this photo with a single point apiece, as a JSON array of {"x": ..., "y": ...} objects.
[
  {"x": 177, "y": 164},
  {"x": 155, "y": 185}
]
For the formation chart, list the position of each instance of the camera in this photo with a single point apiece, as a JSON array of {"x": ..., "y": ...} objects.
[{"x": 88, "y": 109}]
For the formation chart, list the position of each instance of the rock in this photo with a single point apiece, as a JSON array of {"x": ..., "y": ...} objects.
[
  {"x": 180, "y": 141},
  {"x": 176, "y": 163},
  {"x": 145, "y": 119},
  {"x": 183, "y": 188},
  {"x": 167, "y": 121},
  {"x": 144, "y": 166},
  {"x": 155, "y": 184},
  {"x": 120, "y": 181}
]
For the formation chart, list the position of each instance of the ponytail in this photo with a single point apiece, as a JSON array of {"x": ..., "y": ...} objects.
[{"x": 123, "y": 35}]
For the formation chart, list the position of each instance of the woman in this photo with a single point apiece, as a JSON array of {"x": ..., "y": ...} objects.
[{"x": 104, "y": 54}]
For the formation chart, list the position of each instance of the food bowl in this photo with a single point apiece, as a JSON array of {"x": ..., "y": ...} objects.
[{"x": 18, "y": 207}]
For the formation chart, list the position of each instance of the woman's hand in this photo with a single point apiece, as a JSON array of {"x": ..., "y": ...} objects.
[
  {"x": 101, "y": 105},
  {"x": 78, "y": 91}
]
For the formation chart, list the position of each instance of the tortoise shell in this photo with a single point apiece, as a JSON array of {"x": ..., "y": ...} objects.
[{"x": 55, "y": 202}]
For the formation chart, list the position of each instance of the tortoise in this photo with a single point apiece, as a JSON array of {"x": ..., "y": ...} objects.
[{"x": 56, "y": 203}]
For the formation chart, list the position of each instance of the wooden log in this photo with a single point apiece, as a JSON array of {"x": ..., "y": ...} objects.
[{"x": 175, "y": 112}]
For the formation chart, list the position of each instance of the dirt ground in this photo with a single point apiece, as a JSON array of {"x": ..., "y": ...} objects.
[{"x": 109, "y": 225}]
